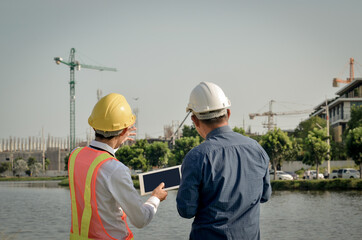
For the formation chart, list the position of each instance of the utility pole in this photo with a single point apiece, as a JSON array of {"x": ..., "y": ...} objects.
[
  {"x": 43, "y": 148},
  {"x": 136, "y": 112},
  {"x": 328, "y": 154}
]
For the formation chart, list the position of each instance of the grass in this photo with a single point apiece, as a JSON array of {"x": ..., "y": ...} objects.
[
  {"x": 323, "y": 184},
  {"x": 65, "y": 183},
  {"x": 12, "y": 179}
]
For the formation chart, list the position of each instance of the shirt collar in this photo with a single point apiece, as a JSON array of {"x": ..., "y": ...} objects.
[
  {"x": 103, "y": 146},
  {"x": 220, "y": 130}
]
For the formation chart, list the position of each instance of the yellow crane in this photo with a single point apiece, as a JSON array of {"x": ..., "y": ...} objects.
[{"x": 337, "y": 81}]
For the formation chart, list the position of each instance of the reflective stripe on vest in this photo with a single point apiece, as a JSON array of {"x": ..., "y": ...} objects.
[{"x": 87, "y": 176}]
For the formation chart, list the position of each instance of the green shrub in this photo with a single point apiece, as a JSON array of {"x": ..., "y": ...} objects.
[{"x": 326, "y": 184}]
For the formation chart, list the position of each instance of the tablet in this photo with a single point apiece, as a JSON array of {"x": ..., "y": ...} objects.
[{"x": 171, "y": 176}]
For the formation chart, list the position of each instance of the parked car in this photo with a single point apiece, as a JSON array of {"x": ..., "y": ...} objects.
[
  {"x": 294, "y": 175},
  {"x": 312, "y": 175},
  {"x": 334, "y": 174},
  {"x": 280, "y": 175},
  {"x": 348, "y": 173}
]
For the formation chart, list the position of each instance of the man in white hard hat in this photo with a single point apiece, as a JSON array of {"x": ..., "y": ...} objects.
[
  {"x": 101, "y": 188},
  {"x": 226, "y": 177}
]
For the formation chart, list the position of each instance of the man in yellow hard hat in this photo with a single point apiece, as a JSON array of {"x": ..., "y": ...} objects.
[
  {"x": 225, "y": 178},
  {"x": 101, "y": 188}
]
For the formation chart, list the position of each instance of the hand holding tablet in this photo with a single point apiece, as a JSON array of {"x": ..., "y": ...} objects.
[
  {"x": 171, "y": 178},
  {"x": 159, "y": 192}
]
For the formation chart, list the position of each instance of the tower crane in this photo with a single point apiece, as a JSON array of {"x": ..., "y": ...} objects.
[
  {"x": 73, "y": 64},
  {"x": 337, "y": 81},
  {"x": 270, "y": 114}
]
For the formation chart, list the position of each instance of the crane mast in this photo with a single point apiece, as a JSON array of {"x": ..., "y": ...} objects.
[{"x": 75, "y": 65}]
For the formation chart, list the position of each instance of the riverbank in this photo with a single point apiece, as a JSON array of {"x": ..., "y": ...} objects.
[
  {"x": 13, "y": 179},
  {"x": 323, "y": 184},
  {"x": 136, "y": 183},
  {"x": 277, "y": 185}
]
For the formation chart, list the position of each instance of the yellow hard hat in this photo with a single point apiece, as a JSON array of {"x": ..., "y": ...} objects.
[{"x": 111, "y": 113}]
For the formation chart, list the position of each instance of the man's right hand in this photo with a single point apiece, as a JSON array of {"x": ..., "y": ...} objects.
[{"x": 159, "y": 192}]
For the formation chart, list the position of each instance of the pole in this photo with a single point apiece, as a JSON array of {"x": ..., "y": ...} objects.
[
  {"x": 43, "y": 148},
  {"x": 177, "y": 131},
  {"x": 328, "y": 154}
]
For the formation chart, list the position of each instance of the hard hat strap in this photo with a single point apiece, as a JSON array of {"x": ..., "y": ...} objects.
[
  {"x": 210, "y": 115},
  {"x": 107, "y": 134}
]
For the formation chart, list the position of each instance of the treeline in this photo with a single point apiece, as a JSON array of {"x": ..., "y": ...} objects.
[
  {"x": 308, "y": 143},
  {"x": 30, "y": 167}
]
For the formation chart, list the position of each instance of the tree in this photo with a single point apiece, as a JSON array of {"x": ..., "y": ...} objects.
[
  {"x": 157, "y": 153},
  {"x": 47, "y": 162},
  {"x": 338, "y": 151},
  {"x": 5, "y": 166},
  {"x": 239, "y": 130},
  {"x": 132, "y": 157},
  {"x": 316, "y": 148},
  {"x": 356, "y": 118},
  {"x": 182, "y": 147},
  {"x": 141, "y": 143},
  {"x": 138, "y": 162},
  {"x": 189, "y": 131},
  {"x": 296, "y": 152},
  {"x": 277, "y": 145},
  {"x": 31, "y": 164},
  {"x": 304, "y": 127},
  {"x": 20, "y": 166},
  {"x": 354, "y": 146},
  {"x": 35, "y": 169},
  {"x": 66, "y": 159}
]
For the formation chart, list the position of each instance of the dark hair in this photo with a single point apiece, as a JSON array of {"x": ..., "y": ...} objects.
[
  {"x": 216, "y": 120},
  {"x": 100, "y": 136}
]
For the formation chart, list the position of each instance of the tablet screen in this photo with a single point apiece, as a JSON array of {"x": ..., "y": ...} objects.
[{"x": 150, "y": 180}]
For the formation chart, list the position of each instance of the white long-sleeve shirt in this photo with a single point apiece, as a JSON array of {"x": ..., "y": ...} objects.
[{"x": 115, "y": 192}]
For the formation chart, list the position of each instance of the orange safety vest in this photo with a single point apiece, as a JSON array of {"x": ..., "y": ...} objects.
[{"x": 83, "y": 167}]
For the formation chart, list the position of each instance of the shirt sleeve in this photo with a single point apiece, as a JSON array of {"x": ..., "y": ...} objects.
[
  {"x": 188, "y": 193},
  {"x": 267, "y": 190},
  {"x": 121, "y": 186}
]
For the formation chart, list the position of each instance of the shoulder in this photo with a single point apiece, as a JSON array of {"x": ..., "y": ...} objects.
[{"x": 113, "y": 166}]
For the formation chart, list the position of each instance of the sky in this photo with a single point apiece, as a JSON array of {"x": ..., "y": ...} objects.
[{"x": 256, "y": 51}]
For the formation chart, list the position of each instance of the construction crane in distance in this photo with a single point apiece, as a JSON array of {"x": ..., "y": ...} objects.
[
  {"x": 75, "y": 65},
  {"x": 337, "y": 81},
  {"x": 270, "y": 125}
]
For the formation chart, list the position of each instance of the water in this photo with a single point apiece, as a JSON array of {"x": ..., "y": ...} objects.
[{"x": 41, "y": 210}]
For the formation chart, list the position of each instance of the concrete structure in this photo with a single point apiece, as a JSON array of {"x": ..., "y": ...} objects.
[
  {"x": 340, "y": 107},
  {"x": 292, "y": 166},
  {"x": 52, "y": 148}
]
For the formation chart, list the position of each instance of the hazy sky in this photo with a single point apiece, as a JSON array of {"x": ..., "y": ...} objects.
[{"x": 256, "y": 51}]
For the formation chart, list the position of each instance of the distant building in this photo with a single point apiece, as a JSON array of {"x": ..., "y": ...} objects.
[{"x": 340, "y": 107}]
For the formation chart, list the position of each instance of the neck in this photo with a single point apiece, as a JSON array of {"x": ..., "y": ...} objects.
[
  {"x": 207, "y": 129},
  {"x": 110, "y": 142}
]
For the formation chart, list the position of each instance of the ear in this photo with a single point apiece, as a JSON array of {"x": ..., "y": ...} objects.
[
  {"x": 124, "y": 131},
  {"x": 228, "y": 112},
  {"x": 195, "y": 120}
]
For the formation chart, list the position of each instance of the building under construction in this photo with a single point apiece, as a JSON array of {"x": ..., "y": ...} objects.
[
  {"x": 339, "y": 108},
  {"x": 52, "y": 148}
]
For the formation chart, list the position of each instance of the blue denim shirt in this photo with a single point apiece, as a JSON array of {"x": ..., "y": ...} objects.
[{"x": 224, "y": 180}]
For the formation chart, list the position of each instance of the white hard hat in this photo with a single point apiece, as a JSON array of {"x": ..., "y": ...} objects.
[{"x": 207, "y": 100}]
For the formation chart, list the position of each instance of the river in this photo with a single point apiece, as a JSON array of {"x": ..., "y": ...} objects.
[{"x": 41, "y": 210}]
